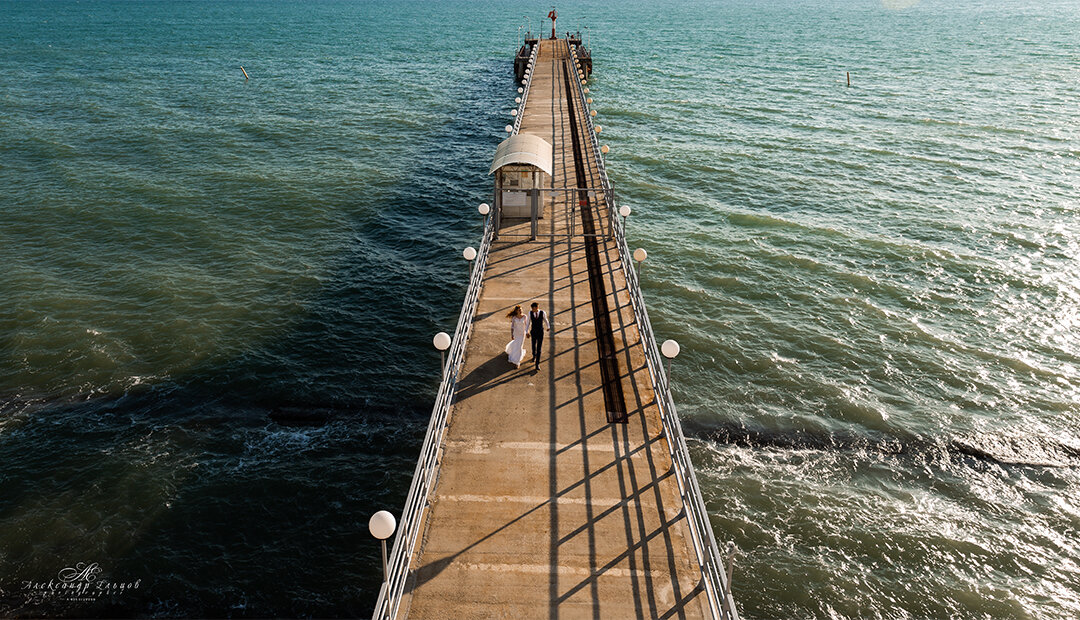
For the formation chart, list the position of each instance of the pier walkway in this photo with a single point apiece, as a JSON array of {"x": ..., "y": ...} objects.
[{"x": 540, "y": 506}]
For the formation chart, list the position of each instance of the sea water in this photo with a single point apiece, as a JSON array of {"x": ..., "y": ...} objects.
[{"x": 217, "y": 294}]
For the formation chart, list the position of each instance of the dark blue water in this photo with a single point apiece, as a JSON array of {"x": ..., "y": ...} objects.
[{"x": 218, "y": 295}]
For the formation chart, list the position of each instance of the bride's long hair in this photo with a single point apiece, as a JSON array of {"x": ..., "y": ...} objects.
[{"x": 516, "y": 312}]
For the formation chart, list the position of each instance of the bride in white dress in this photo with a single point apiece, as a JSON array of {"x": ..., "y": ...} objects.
[{"x": 516, "y": 349}]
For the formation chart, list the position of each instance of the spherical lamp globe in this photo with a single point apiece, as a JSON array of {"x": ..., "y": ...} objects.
[
  {"x": 441, "y": 341},
  {"x": 382, "y": 525}
]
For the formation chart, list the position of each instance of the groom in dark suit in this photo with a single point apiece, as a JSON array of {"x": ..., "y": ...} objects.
[{"x": 538, "y": 323}]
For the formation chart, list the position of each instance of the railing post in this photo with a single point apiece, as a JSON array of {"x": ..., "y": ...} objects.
[{"x": 730, "y": 566}]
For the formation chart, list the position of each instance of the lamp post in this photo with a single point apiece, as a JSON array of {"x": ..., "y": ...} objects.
[
  {"x": 670, "y": 349},
  {"x": 624, "y": 211},
  {"x": 470, "y": 256},
  {"x": 640, "y": 255},
  {"x": 442, "y": 343},
  {"x": 484, "y": 209},
  {"x": 382, "y": 525}
]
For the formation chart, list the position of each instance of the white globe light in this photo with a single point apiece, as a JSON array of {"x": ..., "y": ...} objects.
[
  {"x": 524, "y": 82},
  {"x": 484, "y": 207},
  {"x": 584, "y": 81},
  {"x": 604, "y": 149},
  {"x": 469, "y": 253},
  {"x": 509, "y": 129},
  {"x": 382, "y": 525},
  {"x": 441, "y": 341},
  {"x": 586, "y": 91},
  {"x": 625, "y": 212},
  {"x": 640, "y": 254},
  {"x": 517, "y": 99},
  {"x": 521, "y": 90},
  {"x": 599, "y": 129},
  {"x": 592, "y": 112},
  {"x": 589, "y": 100},
  {"x": 513, "y": 112},
  {"x": 670, "y": 349}
]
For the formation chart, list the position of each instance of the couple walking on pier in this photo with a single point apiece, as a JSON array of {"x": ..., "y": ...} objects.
[{"x": 535, "y": 324}]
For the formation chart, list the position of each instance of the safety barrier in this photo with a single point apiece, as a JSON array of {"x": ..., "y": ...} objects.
[
  {"x": 427, "y": 466},
  {"x": 703, "y": 540}
]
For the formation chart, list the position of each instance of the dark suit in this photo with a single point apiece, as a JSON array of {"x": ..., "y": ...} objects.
[{"x": 537, "y": 322}]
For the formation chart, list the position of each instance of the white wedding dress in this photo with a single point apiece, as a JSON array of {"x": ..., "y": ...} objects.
[{"x": 516, "y": 349}]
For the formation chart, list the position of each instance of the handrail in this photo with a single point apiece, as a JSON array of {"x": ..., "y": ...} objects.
[
  {"x": 525, "y": 93},
  {"x": 704, "y": 541},
  {"x": 397, "y": 572}
]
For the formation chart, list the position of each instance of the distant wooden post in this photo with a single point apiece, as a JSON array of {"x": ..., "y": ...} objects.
[
  {"x": 849, "y": 79},
  {"x": 246, "y": 75}
]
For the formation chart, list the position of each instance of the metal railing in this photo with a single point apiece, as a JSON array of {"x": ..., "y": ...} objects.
[
  {"x": 593, "y": 140},
  {"x": 704, "y": 542},
  {"x": 530, "y": 66},
  {"x": 427, "y": 466}
]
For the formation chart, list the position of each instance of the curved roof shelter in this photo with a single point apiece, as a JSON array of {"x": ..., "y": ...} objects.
[{"x": 524, "y": 148}]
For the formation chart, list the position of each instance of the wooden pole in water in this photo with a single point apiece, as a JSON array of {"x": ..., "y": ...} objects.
[
  {"x": 848, "y": 79},
  {"x": 247, "y": 78}
]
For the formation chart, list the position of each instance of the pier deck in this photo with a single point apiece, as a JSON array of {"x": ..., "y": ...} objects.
[{"x": 544, "y": 508}]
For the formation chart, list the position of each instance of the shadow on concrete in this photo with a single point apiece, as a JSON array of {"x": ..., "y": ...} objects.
[{"x": 488, "y": 375}]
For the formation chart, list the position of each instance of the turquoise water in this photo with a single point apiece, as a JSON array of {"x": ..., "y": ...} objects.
[{"x": 218, "y": 295}]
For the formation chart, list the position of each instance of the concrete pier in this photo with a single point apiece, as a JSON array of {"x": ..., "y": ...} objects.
[{"x": 542, "y": 507}]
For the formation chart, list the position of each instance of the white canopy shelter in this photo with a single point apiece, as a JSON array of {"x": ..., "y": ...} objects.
[{"x": 524, "y": 148}]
